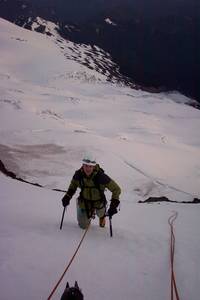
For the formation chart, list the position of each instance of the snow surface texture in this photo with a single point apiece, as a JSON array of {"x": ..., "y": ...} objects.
[{"x": 51, "y": 113}]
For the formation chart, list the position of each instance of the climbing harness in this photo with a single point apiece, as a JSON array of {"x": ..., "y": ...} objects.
[
  {"x": 70, "y": 262},
  {"x": 91, "y": 204},
  {"x": 174, "y": 290}
]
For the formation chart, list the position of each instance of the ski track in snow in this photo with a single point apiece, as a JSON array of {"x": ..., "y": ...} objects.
[{"x": 155, "y": 181}]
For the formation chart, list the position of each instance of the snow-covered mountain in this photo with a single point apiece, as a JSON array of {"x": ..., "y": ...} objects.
[
  {"x": 53, "y": 109},
  {"x": 153, "y": 43},
  {"x": 92, "y": 57},
  {"x": 44, "y": 89}
]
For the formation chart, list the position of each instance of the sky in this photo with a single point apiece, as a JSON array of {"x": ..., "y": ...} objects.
[{"x": 52, "y": 111}]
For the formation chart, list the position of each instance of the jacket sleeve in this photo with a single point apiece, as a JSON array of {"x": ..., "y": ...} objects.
[
  {"x": 114, "y": 188},
  {"x": 111, "y": 185},
  {"x": 74, "y": 184}
]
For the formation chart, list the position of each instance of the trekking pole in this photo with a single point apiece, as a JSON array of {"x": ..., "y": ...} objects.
[
  {"x": 63, "y": 214},
  {"x": 110, "y": 223}
]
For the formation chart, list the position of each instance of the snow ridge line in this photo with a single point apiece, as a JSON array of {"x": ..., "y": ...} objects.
[
  {"x": 156, "y": 181},
  {"x": 12, "y": 175}
]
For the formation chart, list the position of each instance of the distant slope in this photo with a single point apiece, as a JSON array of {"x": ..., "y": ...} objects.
[
  {"x": 53, "y": 109},
  {"x": 155, "y": 44}
]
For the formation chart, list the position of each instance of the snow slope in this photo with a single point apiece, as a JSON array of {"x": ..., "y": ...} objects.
[{"x": 52, "y": 111}]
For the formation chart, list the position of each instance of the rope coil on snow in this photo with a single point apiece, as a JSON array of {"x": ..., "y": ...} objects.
[
  {"x": 70, "y": 262},
  {"x": 174, "y": 290}
]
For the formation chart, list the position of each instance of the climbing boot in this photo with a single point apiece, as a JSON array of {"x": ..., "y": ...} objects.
[{"x": 102, "y": 222}]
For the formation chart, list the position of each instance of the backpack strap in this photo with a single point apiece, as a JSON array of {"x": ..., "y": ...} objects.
[{"x": 97, "y": 182}]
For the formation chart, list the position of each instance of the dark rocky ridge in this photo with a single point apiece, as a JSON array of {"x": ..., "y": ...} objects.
[{"x": 165, "y": 199}]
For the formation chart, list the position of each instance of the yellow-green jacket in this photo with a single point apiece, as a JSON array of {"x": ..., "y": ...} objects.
[{"x": 93, "y": 187}]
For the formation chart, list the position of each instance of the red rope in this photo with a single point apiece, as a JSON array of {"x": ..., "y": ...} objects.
[
  {"x": 174, "y": 290},
  {"x": 69, "y": 264}
]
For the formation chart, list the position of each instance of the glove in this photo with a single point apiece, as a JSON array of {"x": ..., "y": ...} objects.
[
  {"x": 65, "y": 200},
  {"x": 113, "y": 207}
]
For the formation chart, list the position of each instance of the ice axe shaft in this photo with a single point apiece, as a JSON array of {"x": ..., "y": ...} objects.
[
  {"x": 110, "y": 224},
  {"x": 63, "y": 214}
]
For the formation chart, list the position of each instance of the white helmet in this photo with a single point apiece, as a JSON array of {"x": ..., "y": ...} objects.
[{"x": 89, "y": 160}]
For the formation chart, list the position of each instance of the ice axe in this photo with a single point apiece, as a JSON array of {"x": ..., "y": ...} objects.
[
  {"x": 63, "y": 214},
  {"x": 110, "y": 224}
]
